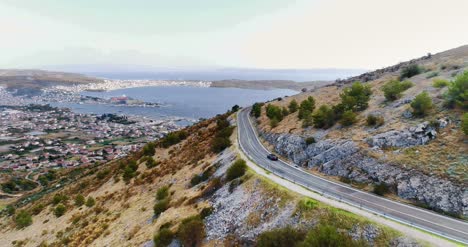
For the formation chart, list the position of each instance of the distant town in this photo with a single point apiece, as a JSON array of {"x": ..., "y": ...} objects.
[{"x": 34, "y": 137}]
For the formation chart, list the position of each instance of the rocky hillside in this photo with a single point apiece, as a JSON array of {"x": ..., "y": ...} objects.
[
  {"x": 398, "y": 133},
  {"x": 187, "y": 189}
]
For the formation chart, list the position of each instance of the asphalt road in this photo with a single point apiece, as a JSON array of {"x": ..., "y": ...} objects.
[{"x": 424, "y": 219}]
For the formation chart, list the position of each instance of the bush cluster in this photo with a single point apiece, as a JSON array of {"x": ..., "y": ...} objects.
[
  {"x": 191, "y": 231},
  {"x": 79, "y": 200},
  {"x": 129, "y": 170},
  {"x": 324, "y": 117},
  {"x": 59, "y": 198},
  {"x": 373, "y": 120},
  {"x": 355, "y": 98},
  {"x": 281, "y": 237},
  {"x": 236, "y": 170},
  {"x": 149, "y": 149},
  {"x": 348, "y": 118},
  {"x": 205, "y": 175},
  {"x": 150, "y": 162},
  {"x": 440, "y": 83},
  {"x": 90, "y": 202},
  {"x": 173, "y": 138},
  {"x": 163, "y": 238},
  {"x": 221, "y": 140},
  {"x": 60, "y": 210},
  {"x": 421, "y": 104},
  {"x": 394, "y": 88},
  {"x": 410, "y": 71},
  {"x": 457, "y": 94},
  {"x": 23, "y": 219},
  {"x": 162, "y": 200},
  {"x": 381, "y": 189}
]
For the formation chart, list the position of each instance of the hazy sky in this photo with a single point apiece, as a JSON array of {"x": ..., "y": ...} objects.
[{"x": 229, "y": 33}]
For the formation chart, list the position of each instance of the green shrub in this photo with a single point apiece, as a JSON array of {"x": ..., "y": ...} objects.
[
  {"x": 58, "y": 198},
  {"x": 173, "y": 138},
  {"x": 373, "y": 120},
  {"x": 421, "y": 104},
  {"x": 219, "y": 144},
  {"x": 235, "y": 108},
  {"x": 37, "y": 209},
  {"x": 60, "y": 210},
  {"x": 149, "y": 149},
  {"x": 457, "y": 94},
  {"x": 274, "y": 122},
  {"x": 205, "y": 175},
  {"x": 191, "y": 232},
  {"x": 285, "y": 111},
  {"x": 393, "y": 89},
  {"x": 410, "y": 71},
  {"x": 306, "y": 108},
  {"x": 79, "y": 200},
  {"x": 90, "y": 202},
  {"x": 274, "y": 112},
  {"x": 256, "y": 110},
  {"x": 280, "y": 237},
  {"x": 348, "y": 118},
  {"x": 381, "y": 189},
  {"x": 162, "y": 193},
  {"x": 163, "y": 238},
  {"x": 309, "y": 140},
  {"x": 206, "y": 212},
  {"x": 161, "y": 206},
  {"x": 356, "y": 97},
  {"x": 293, "y": 106},
  {"x": 236, "y": 170},
  {"x": 10, "y": 210},
  {"x": 308, "y": 120},
  {"x": 150, "y": 163},
  {"x": 102, "y": 174},
  {"x": 327, "y": 235},
  {"x": 432, "y": 75},
  {"x": 465, "y": 123},
  {"x": 129, "y": 170},
  {"x": 324, "y": 117},
  {"x": 440, "y": 83},
  {"x": 23, "y": 219}
]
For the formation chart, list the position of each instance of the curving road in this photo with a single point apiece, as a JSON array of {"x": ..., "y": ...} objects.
[{"x": 424, "y": 219}]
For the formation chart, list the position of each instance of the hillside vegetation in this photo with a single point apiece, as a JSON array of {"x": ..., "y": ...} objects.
[{"x": 407, "y": 118}]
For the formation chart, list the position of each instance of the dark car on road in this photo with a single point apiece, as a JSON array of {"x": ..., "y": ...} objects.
[{"x": 272, "y": 157}]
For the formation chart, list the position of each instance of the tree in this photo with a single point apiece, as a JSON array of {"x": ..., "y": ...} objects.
[
  {"x": 90, "y": 202},
  {"x": 162, "y": 193},
  {"x": 236, "y": 170},
  {"x": 324, "y": 117},
  {"x": 23, "y": 219},
  {"x": 293, "y": 106},
  {"x": 274, "y": 112},
  {"x": 256, "y": 110},
  {"x": 356, "y": 97},
  {"x": 235, "y": 108},
  {"x": 421, "y": 104},
  {"x": 60, "y": 210},
  {"x": 457, "y": 94},
  {"x": 161, "y": 206},
  {"x": 191, "y": 232},
  {"x": 79, "y": 200},
  {"x": 150, "y": 163},
  {"x": 393, "y": 89},
  {"x": 465, "y": 123},
  {"x": 306, "y": 108}
]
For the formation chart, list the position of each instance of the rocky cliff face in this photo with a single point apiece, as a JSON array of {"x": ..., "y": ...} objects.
[{"x": 346, "y": 159}]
